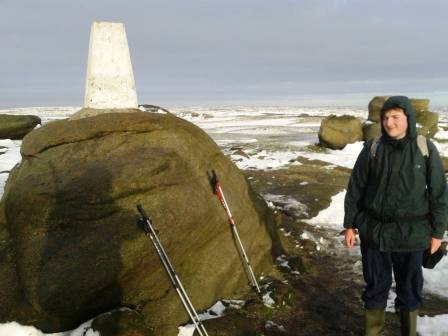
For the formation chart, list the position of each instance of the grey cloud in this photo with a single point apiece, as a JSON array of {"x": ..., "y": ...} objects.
[{"x": 196, "y": 49}]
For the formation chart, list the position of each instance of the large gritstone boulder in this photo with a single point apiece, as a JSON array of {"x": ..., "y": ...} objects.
[
  {"x": 17, "y": 126},
  {"x": 71, "y": 213},
  {"x": 336, "y": 132}
]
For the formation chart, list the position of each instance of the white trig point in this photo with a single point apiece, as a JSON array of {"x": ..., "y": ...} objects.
[{"x": 110, "y": 82}]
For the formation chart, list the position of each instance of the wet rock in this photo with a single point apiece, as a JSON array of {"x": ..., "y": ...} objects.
[
  {"x": 336, "y": 132},
  {"x": 70, "y": 211},
  {"x": 17, "y": 126}
]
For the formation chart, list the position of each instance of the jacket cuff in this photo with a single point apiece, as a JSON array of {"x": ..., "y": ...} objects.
[{"x": 438, "y": 234}]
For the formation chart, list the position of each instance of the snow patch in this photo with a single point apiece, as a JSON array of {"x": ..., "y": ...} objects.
[
  {"x": 433, "y": 326},
  {"x": 442, "y": 148},
  {"x": 16, "y": 329},
  {"x": 287, "y": 203},
  {"x": 435, "y": 279},
  {"x": 441, "y": 135},
  {"x": 215, "y": 311},
  {"x": 345, "y": 157},
  {"x": 268, "y": 301},
  {"x": 270, "y": 324},
  {"x": 265, "y": 160},
  {"x": 9, "y": 157},
  {"x": 333, "y": 216},
  {"x": 282, "y": 261}
]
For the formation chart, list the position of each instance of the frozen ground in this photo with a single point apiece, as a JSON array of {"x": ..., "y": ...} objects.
[{"x": 266, "y": 138}]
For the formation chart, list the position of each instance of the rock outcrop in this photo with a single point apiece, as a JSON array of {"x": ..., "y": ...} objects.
[
  {"x": 71, "y": 221},
  {"x": 337, "y": 131},
  {"x": 17, "y": 126}
]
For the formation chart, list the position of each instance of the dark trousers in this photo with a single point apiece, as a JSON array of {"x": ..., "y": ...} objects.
[{"x": 377, "y": 269}]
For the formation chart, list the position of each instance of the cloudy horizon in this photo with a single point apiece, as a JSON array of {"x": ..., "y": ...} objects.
[{"x": 233, "y": 52}]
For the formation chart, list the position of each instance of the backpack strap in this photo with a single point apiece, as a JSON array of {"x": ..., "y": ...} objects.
[
  {"x": 374, "y": 146},
  {"x": 423, "y": 145}
]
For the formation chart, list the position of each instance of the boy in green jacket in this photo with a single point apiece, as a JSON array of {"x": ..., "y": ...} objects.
[{"x": 397, "y": 200}]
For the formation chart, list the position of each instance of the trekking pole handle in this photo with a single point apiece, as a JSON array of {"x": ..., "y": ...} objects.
[
  {"x": 145, "y": 220},
  {"x": 142, "y": 212}
]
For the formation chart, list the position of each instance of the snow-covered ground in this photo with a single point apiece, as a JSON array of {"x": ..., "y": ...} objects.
[
  {"x": 255, "y": 138},
  {"x": 15, "y": 329}
]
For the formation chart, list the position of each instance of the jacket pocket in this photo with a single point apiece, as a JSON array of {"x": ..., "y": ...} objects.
[
  {"x": 368, "y": 229},
  {"x": 405, "y": 236}
]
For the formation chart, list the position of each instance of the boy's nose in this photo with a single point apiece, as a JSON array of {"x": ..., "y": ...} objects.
[{"x": 389, "y": 122}]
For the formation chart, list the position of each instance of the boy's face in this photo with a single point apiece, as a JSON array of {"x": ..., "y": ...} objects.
[{"x": 395, "y": 123}]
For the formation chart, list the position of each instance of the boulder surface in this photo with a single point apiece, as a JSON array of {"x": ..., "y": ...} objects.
[{"x": 71, "y": 213}]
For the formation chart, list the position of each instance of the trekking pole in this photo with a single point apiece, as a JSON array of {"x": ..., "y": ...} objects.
[
  {"x": 220, "y": 193},
  {"x": 151, "y": 231}
]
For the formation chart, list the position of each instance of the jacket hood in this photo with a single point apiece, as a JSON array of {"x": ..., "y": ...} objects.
[{"x": 404, "y": 103}]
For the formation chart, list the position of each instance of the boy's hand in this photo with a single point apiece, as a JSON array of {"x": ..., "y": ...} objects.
[
  {"x": 435, "y": 244},
  {"x": 350, "y": 235}
]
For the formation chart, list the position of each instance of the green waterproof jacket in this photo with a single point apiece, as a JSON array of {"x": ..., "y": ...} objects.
[{"x": 397, "y": 198}]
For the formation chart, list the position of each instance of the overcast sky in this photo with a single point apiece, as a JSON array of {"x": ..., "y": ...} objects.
[{"x": 230, "y": 51}]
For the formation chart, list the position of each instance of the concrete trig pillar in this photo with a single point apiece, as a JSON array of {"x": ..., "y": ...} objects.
[{"x": 110, "y": 82}]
